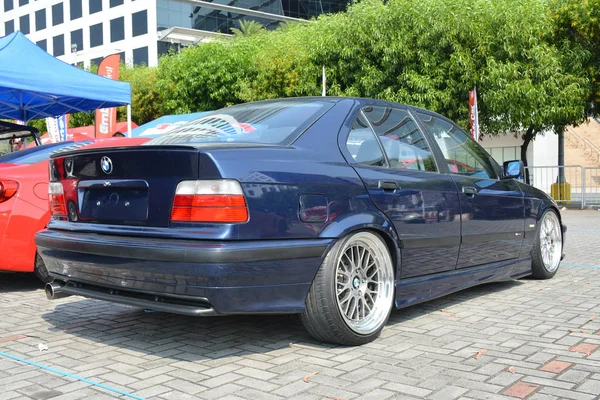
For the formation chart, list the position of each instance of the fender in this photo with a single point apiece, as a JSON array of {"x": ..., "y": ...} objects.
[{"x": 367, "y": 220}]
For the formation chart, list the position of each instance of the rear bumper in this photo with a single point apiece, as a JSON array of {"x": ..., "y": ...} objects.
[{"x": 212, "y": 277}]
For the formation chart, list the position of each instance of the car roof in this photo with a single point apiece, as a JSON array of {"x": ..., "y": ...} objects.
[{"x": 8, "y": 130}]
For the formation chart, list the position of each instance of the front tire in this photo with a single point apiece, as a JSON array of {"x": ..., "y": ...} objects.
[
  {"x": 351, "y": 297},
  {"x": 41, "y": 271},
  {"x": 547, "y": 251}
]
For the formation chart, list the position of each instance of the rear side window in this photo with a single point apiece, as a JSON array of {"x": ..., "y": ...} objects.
[
  {"x": 389, "y": 129},
  {"x": 276, "y": 122}
]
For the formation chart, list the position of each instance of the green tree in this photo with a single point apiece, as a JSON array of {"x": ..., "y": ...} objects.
[
  {"x": 405, "y": 51},
  {"x": 578, "y": 26},
  {"x": 248, "y": 28}
]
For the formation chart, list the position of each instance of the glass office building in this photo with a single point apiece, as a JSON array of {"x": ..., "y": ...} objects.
[{"x": 84, "y": 31}]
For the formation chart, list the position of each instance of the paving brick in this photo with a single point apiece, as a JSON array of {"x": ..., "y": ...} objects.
[
  {"x": 556, "y": 366},
  {"x": 422, "y": 353},
  {"x": 586, "y": 348},
  {"x": 520, "y": 390}
]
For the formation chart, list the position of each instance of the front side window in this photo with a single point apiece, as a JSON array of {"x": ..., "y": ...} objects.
[{"x": 463, "y": 156}]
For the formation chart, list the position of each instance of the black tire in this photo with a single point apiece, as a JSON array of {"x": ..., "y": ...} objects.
[
  {"x": 323, "y": 316},
  {"x": 539, "y": 268},
  {"x": 41, "y": 271}
]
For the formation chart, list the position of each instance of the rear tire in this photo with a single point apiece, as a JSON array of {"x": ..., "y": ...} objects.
[
  {"x": 351, "y": 297},
  {"x": 547, "y": 251},
  {"x": 41, "y": 271}
]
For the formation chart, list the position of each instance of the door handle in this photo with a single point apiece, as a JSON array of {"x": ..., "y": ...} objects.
[
  {"x": 469, "y": 190},
  {"x": 388, "y": 185}
]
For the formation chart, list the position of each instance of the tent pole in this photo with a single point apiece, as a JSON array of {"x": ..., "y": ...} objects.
[{"x": 128, "y": 120}]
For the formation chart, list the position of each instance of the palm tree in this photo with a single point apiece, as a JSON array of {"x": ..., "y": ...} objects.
[{"x": 248, "y": 28}]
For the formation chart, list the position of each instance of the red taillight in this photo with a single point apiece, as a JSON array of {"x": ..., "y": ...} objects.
[
  {"x": 56, "y": 198},
  {"x": 7, "y": 190},
  {"x": 209, "y": 201}
]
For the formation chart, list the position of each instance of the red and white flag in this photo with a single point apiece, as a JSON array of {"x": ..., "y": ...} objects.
[
  {"x": 474, "y": 114},
  {"x": 106, "y": 118}
]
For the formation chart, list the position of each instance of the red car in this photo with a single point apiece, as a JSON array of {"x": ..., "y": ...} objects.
[{"x": 24, "y": 201}]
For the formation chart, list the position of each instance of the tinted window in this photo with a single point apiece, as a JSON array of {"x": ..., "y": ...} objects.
[
  {"x": 23, "y": 2},
  {"x": 117, "y": 29},
  {"x": 95, "y": 6},
  {"x": 77, "y": 39},
  {"x": 40, "y": 19},
  {"x": 42, "y": 44},
  {"x": 32, "y": 155},
  {"x": 114, "y": 3},
  {"x": 9, "y": 27},
  {"x": 76, "y": 9},
  {"x": 8, "y": 5},
  {"x": 58, "y": 15},
  {"x": 277, "y": 122},
  {"x": 363, "y": 145},
  {"x": 401, "y": 139},
  {"x": 58, "y": 45},
  {"x": 96, "y": 35},
  {"x": 24, "y": 24},
  {"x": 139, "y": 22},
  {"x": 140, "y": 56},
  {"x": 462, "y": 154}
]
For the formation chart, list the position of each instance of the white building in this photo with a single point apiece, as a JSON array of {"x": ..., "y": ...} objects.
[
  {"x": 542, "y": 151},
  {"x": 85, "y": 31}
]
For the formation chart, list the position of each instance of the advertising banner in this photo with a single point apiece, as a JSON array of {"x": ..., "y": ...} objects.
[
  {"x": 52, "y": 126},
  {"x": 106, "y": 118},
  {"x": 57, "y": 128},
  {"x": 474, "y": 114}
]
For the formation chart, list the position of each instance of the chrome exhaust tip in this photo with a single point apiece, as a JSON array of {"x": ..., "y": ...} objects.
[{"x": 54, "y": 290}]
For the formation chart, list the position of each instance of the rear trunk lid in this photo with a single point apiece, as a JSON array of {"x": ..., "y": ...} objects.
[{"x": 127, "y": 186}]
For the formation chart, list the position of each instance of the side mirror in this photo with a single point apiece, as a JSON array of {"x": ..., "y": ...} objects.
[{"x": 514, "y": 169}]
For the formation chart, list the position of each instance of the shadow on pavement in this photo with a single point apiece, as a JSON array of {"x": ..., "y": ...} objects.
[
  {"x": 18, "y": 282},
  {"x": 192, "y": 339}
]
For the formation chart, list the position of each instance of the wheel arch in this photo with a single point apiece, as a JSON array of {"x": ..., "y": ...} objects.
[{"x": 369, "y": 222}]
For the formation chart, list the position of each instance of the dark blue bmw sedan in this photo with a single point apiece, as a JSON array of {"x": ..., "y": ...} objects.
[{"x": 338, "y": 209}]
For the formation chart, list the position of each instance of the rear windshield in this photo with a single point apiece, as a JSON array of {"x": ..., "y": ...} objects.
[
  {"x": 273, "y": 122},
  {"x": 37, "y": 154}
]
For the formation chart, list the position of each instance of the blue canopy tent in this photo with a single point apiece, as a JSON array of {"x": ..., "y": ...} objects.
[
  {"x": 34, "y": 84},
  {"x": 164, "y": 124}
]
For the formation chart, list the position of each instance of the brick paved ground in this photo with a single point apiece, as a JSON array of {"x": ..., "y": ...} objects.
[{"x": 524, "y": 338}]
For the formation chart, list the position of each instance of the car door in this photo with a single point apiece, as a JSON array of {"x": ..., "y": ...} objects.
[
  {"x": 493, "y": 217},
  {"x": 393, "y": 159}
]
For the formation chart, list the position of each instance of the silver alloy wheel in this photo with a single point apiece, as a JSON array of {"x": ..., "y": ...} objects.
[
  {"x": 364, "y": 283},
  {"x": 551, "y": 241}
]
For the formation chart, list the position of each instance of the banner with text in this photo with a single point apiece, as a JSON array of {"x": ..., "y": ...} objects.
[
  {"x": 106, "y": 118},
  {"x": 474, "y": 114},
  {"x": 57, "y": 128}
]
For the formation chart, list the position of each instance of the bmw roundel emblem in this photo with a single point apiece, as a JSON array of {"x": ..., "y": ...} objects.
[{"x": 106, "y": 165}]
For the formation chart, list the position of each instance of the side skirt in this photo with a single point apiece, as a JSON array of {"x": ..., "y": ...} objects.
[{"x": 423, "y": 288}]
